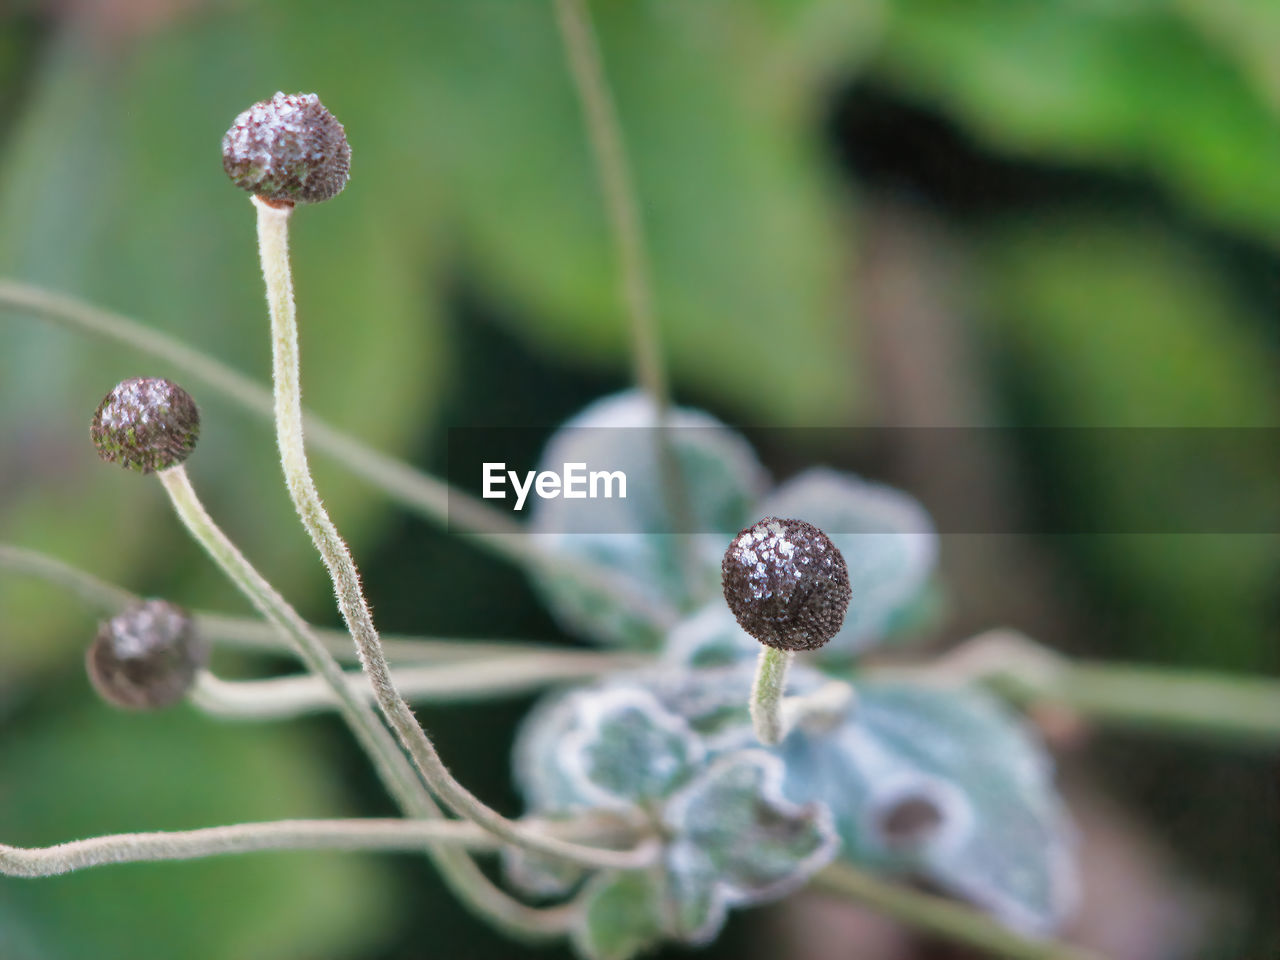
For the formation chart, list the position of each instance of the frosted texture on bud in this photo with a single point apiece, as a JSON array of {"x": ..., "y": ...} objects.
[
  {"x": 146, "y": 424},
  {"x": 288, "y": 149},
  {"x": 147, "y": 657},
  {"x": 786, "y": 583}
]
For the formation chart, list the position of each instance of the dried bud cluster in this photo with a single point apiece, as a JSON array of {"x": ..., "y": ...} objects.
[
  {"x": 786, "y": 583},
  {"x": 146, "y": 657},
  {"x": 288, "y": 149},
  {"x": 146, "y": 424}
]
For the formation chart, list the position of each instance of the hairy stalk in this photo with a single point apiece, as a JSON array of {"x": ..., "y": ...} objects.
[
  {"x": 942, "y": 918},
  {"x": 627, "y": 228},
  {"x": 610, "y": 156},
  {"x": 419, "y": 492},
  {"x": 284, "y": 697},
  {"x": 385, "y": 835},
  {"x": 1243, "y": 710},
  {"x": 249, "y": 634},
  {"x": 103, "y": 597},
  {"x": 471, "y": 885},
  {"x": 767, "y": 695},
  {"x": 1163, "y": 700},
  {"x": 273, "y": 246}
]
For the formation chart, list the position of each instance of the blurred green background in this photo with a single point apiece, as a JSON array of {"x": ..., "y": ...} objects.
[{"x": 896, "y": 213}]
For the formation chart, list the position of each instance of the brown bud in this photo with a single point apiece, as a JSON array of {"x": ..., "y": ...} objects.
[
  {"x": 147, "y": 657},
  {"x": 146, "y": 424},
  {"x": 288, "y": 149},
  {"x": 786, "y": 583}
]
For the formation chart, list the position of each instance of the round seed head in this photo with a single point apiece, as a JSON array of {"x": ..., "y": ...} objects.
[
  {"x": 288, "y": 149},
  {"x": 147, "y": 657},
  {"x": 146, "y": 424},
  {"x": 786, "y": 583}
]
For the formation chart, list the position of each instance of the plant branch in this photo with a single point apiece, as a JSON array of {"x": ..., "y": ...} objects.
[
  {"x": 1240, "y": 709},
  {"x": 249, "y": 634},
  {"x": 767, "y": 692},
  {"x": 465, "y": 878},
  {"x": 284, "y": 697},
  {"x": 385, "y": 835},
  {"x": 273, "y": 247},
  {"x": 582, "y": 51},
  {"x": 101, "y": 596},
  {"x": 626, "y": 226},
  {"x": 418, "y": 492},
  {"x": 939, "y": 917}
]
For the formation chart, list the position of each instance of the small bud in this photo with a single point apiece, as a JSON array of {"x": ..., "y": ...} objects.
[
  {"x": 288, "y": 149},
  {"x": 147, "y": 657},
  {"x": 786, "y": 583},
  {"x": 146, "y": 424}
]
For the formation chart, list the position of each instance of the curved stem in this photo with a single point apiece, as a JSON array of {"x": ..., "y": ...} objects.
[
  {"x": 625, "y": 224},
  {"x": 386, "y": 835},
  {"x": 464, "y": 876},
  {"x": 103, "y": 597},
  {"x": 284, "y": 697},
  {"x": 249, "y": 634},
  {"x": 942, "y": 918},
  {"x": 419, "y": 492},
  {"x": 273, "y": 246},
  {"x": 767, "y": 693}
]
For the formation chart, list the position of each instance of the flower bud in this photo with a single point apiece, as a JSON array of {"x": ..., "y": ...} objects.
[
  {"x": 146, "y": 424},
  {"x": 147, "y": 657},
  {"x": 287, "y": 150},
  {"x": 786, "y": 583}
]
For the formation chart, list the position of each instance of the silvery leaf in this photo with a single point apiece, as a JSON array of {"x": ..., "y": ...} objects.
[
  {"x": 634, "y": 538},
  {"x": 945, "y": 784},
  {"x": 737, "y": 841}
]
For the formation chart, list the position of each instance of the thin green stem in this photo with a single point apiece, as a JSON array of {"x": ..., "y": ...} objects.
[
  {"x": 1239, "y": 709},
  {"x": 419, "y": 492},
  {"x": 273, "y": 247},
  {"x": 284, "y": 697},
  {"x": 627, "y": 229},
  {"x": 466, "y": 879},
  {"x": 101, "y": 596},
  {"x": 767, "y": 692},
  {"x": 250, "y": 634},
  {"x": 942, "y": 918}
]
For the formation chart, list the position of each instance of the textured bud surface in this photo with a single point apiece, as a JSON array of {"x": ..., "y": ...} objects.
[
  {"x": 288, "y": 149},
  {"x": 786, "y": 583},
  {"x": 146, "y": 657},
  {"x": 146, "y": 424}
]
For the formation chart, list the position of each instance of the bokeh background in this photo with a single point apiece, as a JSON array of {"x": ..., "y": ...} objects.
[{"x": 893, "y": 213}]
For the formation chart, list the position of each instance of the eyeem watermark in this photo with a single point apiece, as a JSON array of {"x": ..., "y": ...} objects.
[{"x": 574, "y": 482}]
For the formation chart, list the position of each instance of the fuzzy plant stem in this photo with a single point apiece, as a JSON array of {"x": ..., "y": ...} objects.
[
  {"x": 384, "y": 835},
  {"x": 466, "y": 879},
  {"x": 273, "y": 247},
  {"x": 627, "y": 228},
  {"x": 944, "y": 919},
  {"x": 285, "y": 697},
  {"x": 767, "y": 694},
  {"x": 244, "y": 633},
  {"x": 419, "y": 492}
]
